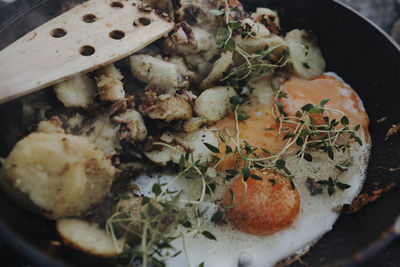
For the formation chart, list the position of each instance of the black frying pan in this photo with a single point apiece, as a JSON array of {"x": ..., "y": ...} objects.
[{"x": 353, "y": 47}]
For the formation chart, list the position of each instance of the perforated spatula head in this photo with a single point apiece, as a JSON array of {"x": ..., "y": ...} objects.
[{"x": 89, "y": 36}]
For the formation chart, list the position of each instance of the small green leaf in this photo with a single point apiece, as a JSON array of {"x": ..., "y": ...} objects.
[
  {"x": 324, "y": 102},
  {"x": 182, "y": 163},
  {"x": 273, "y": 86},
  {"x": 307, "y": 107},
  {"x": 145, "y": 200},
  {"x": 201, "y": 264},
  {"x": 289, "y": 135},
  {"x": 357, "y": 127},
  {"x": 306, "y": 65},
  {"x": 209, "y": 235},
  {"x": 299, "y": 141},
  {"x": 187, "y": 224},
  {"x": 228, "y": 149},
  {"x": 235, "y": 25},
  {"x": 266, "y": 151},
  {"x": 242, "y": 116},
  {"x": 211, "y": 148},
  {"x": 217, "y": 216},
  {"x": 246, "y": 173},
  {"x": 358, "y": 140},
  {"x": 156, "y": 189},
  {"x": 280, "y": 107},
  {"x": 308, "y": 157},
  {"x": 344, "y": 121},
  {"x": 256, "y": 177},
  {"x": 342, "y": 186},
  {"x": 323, "y": 182},
  {"x": 280, "y": 164},
  {"x": 273, "y": 181}
]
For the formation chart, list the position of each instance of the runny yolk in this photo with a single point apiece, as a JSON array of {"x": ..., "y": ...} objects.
[{"x": 265, "y": 208}]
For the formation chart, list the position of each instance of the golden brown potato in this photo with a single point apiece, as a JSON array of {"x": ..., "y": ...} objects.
[
  {"x": 61, "y": 174},
  {"x": 87, "y": 237}
]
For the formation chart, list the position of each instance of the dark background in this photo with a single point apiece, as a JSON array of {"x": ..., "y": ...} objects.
[{"x": 385, "y": 13}]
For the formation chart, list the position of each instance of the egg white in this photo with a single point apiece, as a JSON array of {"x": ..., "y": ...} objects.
[{"x": 317, "y": 216}]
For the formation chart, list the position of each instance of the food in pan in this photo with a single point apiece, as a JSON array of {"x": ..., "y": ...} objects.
[{"x": 224, "y": 143}]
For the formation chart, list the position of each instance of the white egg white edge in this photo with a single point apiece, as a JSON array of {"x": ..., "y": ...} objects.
[{"x": 316, "y": 217}]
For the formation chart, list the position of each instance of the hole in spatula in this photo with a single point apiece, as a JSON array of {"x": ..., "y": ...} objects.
[
  {"x": 87, "y": 50},
  {"x": 117, "y": 35},
  {"x": 58, "y": 33}
]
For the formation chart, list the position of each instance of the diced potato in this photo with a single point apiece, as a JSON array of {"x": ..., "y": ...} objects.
[
  {"x": 109, "y": 83},
  {"x": 204, "y": 42},
  {"x": 193, "y": 124},
  {"x": 213, "y": 104},
  {"x": 262, "y": 11},
  {"x": 307, "y": 63},
  {"x": 104, "y": 134},
  {"x": 88, "y": 237},
  {"x": 78, "y": 91},
  {"x": 194, "y": 141},
  {"x": 61, "y": 174},
  {"x": 54, "y": 125},
  {"x": 219, "y": 68},
  {"x": 134, "y": 123},
  {"x": 252, "y": 45},
  {"x": 263, "y": 92},
  {"x": 171, "y": 108},
  {"x": 156, "y": 71}
]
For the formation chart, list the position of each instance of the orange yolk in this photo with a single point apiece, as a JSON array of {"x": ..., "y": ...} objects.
[
  {"x": 341, "y": 97},
  {"x": 265, "y": 208}
]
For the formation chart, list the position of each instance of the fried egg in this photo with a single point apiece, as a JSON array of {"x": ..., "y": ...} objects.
[{"x": 274, "y": 222}]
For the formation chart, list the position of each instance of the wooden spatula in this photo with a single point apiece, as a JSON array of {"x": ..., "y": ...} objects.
[{"x": 87, "y": 37}]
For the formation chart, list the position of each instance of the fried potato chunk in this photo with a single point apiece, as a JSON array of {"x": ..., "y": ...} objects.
[
  {"x": 87, "y": 237},
  {"x": 61, "y": 174},
  {"x": 268, "y": 206}
]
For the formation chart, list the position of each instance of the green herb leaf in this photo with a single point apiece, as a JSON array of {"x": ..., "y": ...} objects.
[
  {"x": 324, "y": 102},
  {"x": 307, "y": 107},
  {"x": 156, "y": 189},
  {"x": 299, "y": 141},
  {"x": 280, "y": 107},
  {"x": 211, "y": 148},
  {"x": 187, "y": 224},
  {"x": 344, "y": 121},
  {"x": 342, "y": 186},
  {"x": 242, "y": 116},
  {"x": 217, "y": 216},
  {"x": 308, "y": 157},
  {"x": 209, "y": 235},
  {"x": 280, "y": 164},
  {"x": 182, "y": 163},
  {"x": 256, "y": 177},
  {"x": 357, "y": 127},
  {"x": 289, "y": 135},
  {"x": 228, "y": 149},
  {"x": 246, "y": 173},
  {"x": 145, "y": 200},
  {"x": 201, "y": 264},
  {"x": 306, "y": 65},
  {"x": 273, "y": 181}
]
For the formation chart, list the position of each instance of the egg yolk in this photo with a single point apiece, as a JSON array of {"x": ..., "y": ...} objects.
[
  {"x": 341, "y": 97},
  {"x": 265, "y": 208}
]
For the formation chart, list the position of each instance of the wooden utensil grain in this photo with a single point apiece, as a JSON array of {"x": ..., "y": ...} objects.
[{"x": 89, "y": 36}]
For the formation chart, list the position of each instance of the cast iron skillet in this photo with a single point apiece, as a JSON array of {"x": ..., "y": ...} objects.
[{"x": 353, "y": 47}]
